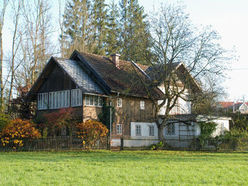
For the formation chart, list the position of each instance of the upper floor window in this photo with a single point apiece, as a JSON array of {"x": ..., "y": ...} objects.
[
  {"x": 137, "y": 130},
  {"x": 119, "y": 129},
  {"x": 42, "y": 101},
  {"x": 59, "y": 99},
  {"x": 76, "y": 97},
  {"x": 90, "y": 100},
  {"x": 151, "y": 130},
  {"x": 119, "y": 102},
  {"x": 142, "y": 105}
]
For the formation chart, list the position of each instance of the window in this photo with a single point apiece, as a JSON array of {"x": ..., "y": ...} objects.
[
  {"x": 171, "y": 129},
  {"x": 119, "y": 102},
  {"x": 142, "y": 105},
  {"x": 90, "y": 100},
  {"x": 42, "y": 101},
  {"x": 119, "y": 129},
  {"x": 137, "y": 130},
  {"x": 59, "y": 99},
  {"x": 76, "y": 97},
  {"x": 86, "y": 100},
  {"x": 151, "y": 130}
]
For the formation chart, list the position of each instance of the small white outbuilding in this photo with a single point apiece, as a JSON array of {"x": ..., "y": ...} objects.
[{"x": 179, "y": 132}]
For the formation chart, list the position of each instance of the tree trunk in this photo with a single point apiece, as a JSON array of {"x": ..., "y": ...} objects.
[
  {"x": 1, "y": 70},
  {"x": 160, "y": 131}
]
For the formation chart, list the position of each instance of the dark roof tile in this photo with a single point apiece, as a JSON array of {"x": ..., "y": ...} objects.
[{"x": 127, "y": 79}]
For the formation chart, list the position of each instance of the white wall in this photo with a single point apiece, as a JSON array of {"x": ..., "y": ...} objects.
[
  {"x": 134, "y": 142},
  {"x": 183, "y": 107},
  {"x": 222, "y": 126},
  {"x": 144, "y": 130},
  {"x": 222, "y": 123}
]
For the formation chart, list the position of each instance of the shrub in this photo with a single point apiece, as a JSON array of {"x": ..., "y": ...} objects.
[
  {"x": 157, "y": 146},
  {"x": 54, "y": 121},
  {"x": 235, "y": 139},
  {"x": 207, "y": 129},
  {"x": 16, "y": 131},
  {"x": 90, "y": 132}
]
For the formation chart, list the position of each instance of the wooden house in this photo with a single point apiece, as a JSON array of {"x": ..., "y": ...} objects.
[{"x": 85, "y": 81}]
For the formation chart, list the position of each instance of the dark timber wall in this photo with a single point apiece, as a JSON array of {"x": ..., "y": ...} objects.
[{"x": 56, "y": 81}]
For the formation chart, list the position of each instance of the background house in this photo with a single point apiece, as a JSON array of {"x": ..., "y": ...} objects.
[{"x": 234, "y": 107}]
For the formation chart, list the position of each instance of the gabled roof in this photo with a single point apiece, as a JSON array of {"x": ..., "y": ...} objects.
[
  {"x": 158, "y": 73},
  {"x": 82, "y": 80},
  {"x": 226, "y": 104},
  {"x": 231, "y": 104},
  {"x": 72, "y": 69},
  {"x": 127, "y": 79}
]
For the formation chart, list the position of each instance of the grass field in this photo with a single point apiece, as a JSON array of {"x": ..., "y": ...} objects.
[{"x": 123, "y": 168}]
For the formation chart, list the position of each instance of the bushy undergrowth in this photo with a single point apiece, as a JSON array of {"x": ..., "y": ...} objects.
[
  {"x": 234, "y": 139},
  {"x": 207, "y": 129},
  {"x": 157, "y": 146}
]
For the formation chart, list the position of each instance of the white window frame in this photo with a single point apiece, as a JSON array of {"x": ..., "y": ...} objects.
[
  {"x": 92, "y": 100},
  {"x": 151, "y": 130},
  {"x": 138, "y": 130},
  {"x": 76, "y": 97},
  {"x": 142, "y": 105},
  {"x": 118, "y": 129},
  {"x": 59, "y": 99},
  {"x": 119, "y": 102}
]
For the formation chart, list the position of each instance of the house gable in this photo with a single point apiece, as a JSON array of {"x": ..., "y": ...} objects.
[
  {"x": 158, "y": 74},
  {"x": 62, "y": 74},
  {"x": 57, "y": 80},
  {"x": 81, "y": 78},
  {"x": 243, "y": 108}
]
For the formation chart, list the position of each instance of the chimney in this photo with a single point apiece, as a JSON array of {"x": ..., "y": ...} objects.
[{"x": 115, "y": 59}]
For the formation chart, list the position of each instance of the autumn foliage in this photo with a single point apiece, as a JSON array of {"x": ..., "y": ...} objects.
[
  {"x": 58, "y": 119},
  {"x": 16, "y": 131},
  {"x": 90, "y": 132}
]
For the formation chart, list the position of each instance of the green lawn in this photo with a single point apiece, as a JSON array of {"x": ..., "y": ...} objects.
[{"x": 123, "y": 168}]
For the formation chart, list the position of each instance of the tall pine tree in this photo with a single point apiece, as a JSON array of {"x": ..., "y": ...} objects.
[
  {"x": 77, "y": 25},
  {"x": 99, "y": 26},
  {"x": 135, "y": 37},
  {"x": 113, "y": 33},
  {"x": 94, "y": 28}
]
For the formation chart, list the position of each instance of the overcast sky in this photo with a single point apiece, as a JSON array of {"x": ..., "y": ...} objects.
[{"x": 227, "y": 17}]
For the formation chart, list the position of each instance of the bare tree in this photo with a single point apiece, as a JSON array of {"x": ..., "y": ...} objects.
[
  {"x": 16, "y": 40},
  {"x": 61, "y": 26},
  {"x": 36, "y": 42},
  {"x": 176, "y": 40},
  {"x": 2, "y": 15}
]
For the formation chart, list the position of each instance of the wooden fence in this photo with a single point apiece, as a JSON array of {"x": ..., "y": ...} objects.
[{"x": 56, "y": 143}]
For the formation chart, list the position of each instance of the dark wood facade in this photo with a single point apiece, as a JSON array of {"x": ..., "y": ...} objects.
[{"x": 57, "y": 80}]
